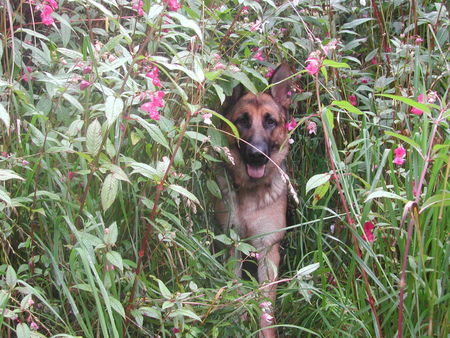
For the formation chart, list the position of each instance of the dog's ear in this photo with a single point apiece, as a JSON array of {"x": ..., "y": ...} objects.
[
  {"x": 280, "y": 90},
  {"x": 229, "y": 102}
]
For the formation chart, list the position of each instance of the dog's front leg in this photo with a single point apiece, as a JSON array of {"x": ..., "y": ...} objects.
[{"x": 267, "y": 272}]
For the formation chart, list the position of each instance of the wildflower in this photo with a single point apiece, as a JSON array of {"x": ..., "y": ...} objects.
[
  {"x": 352, "y": 100},
  {"x": 259, "y": 56},
  {"x": 25, "y": 162},
  {"x": 151, "y": 107},
  {"x": 291, "y": 124},
  {"x": 173, "y": 5},
  {"x": 269, "y": 73},
  {"x": 291, "y": 141},
  {"x": 313, "y": 65},
  {"x": 255, "y": 25},
  {"x": 330, "y": 46},
  {"x": 176, "y": 330},
  {"x": 70, "y": 175},
  {"x": 207, "y": 118},
  {"x": 364, "y": 80},
  {"x": 400, "y": 154},
  {"x": 112, "y": 58},
  {"x": 30, "y": 301},
  {"x": 234, "y": 69},
  {"x": 368, "y": 232},
  {"x": 245, "y": 10},
  {"x": 267, "y": 317},
  {"x": 27, "y": 74},
  {"x": 217, "y": 56},
  {"x": 46, "y": 17},
  {"x": 219, "y": 66},
  {"x": 34, "y": 326},
  {"x": 87, "y": 70},
  {"x": 138, "y": 7},
  {"x": 374, "y": 61},
  {"x": 432, "y": 97},
  {"x": 312, "y": 128},
  {"x": 418, "y": 40},
  {"x": 153, "y": 74},
  {"x": 416, "y": 111},
  {"x": 265, "y": 305},
  {"x": 52, "y": 3},
  {"x": 84, "y": 84}
]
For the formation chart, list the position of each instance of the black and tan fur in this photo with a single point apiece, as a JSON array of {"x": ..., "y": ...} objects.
[{"x": 255, "y": 198}]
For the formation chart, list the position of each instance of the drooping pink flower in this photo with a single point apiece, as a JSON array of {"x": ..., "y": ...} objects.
[
  {"x": 245, "y": 10},
  {"x": 219, "y": 66},
  {"x": 267, "y": 317},
  {"x": 52, "y": 3},
  {"x": 374, "y": 61},
  {"x": 291, "y": 141},
  {"x": 330, "y": 46},
  {"x": 269, "y": 73},
  {"x": 34, "y": 326},
  {"x": 234, "y": 69},
  {"x": 364, "y": 80},
  {"x": 259, "y": 55},
  {"x": 416, "y": 111},
  {"x": 368, "y": 232},
  {"x": 291, "y": 124},
  {"x": 207, "y": 118},
  {"x": 352, "y": 100},
  {"x": 400, "y": 154},
  {"x": 313, "y": 65},
  {"x": 87, "y": 69},
  {"x": 27, "y": 74},
  {"x": 173, "y": 5},
  {"x": 30, "y": 301},
  {"x": 151, "y": 107},
  {"x": 84, "y": 84},
  {"x": 265, "y": 305},
  {"x": 46, "y": 15},
  {"x": 418, "y": 40},
  {"x": 154, "y": 75},
  {"x": 138, "y": 4},
  {"x": 312, "y": 127}
]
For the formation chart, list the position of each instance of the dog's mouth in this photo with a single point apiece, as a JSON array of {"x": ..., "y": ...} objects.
[{"x": 256, "y": 171}]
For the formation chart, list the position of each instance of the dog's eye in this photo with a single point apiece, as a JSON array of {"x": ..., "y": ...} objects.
[
  {"x": 269, "y": 122},
  {"x": 243, "y": 121}
]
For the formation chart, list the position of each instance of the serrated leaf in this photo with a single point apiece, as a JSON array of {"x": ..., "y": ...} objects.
[
  {"x": 4, "y": 116},
  {"x": 164, "y": 290},
  {"x": 184, "y": 313},
  {"x": 335, "y": 64},
  {"x": 409, "y": 102},
  {"x": 184, "y": 192},
  {"x": 347, "y": 106},
  {"x": 115, "y": 259},
  {"x": 109, "y": 191},
  {"x": 150, "y": 312},
  {"x": 317, "y": 180},
  {"x": 385, "y": 194},
  {"x": 113, "y": 109},
  {"x": 94, "y": 137},
  {"x": 117, "y": 306},
  {"x": 8, "y": 174},
  {"x": 145, "y": 170},
  {"x": 11, "y": 277},
  {"x": 153, "y": 130}
]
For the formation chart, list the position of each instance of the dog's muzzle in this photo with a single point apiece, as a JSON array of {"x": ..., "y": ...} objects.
[{"x": 256, "y": 158}]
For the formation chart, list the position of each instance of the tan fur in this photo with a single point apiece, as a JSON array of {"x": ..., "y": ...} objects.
[{"x": 257, "y": 207}]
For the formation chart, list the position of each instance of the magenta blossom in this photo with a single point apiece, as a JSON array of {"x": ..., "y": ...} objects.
[
  {"x": 416, "y": 111},
  {"x": 291, "y": 124},
  {"x": 84, "y": 84},
  {"x": 352, "y": 100},
  {"x": 138, "y": 4},
  {"x": 46, "y": 15},
  {"x": 207, "y": 118},
  {"x": 219, "y": 66},
  {"x": 400, "y": 154},
  {"x": 312, "y": 128},
  {"x": 154, "y": 75},
  {"x": 173, "y": 5},
  {"x": 151, "y": 107},
  {"x": 269, "y": 73},
  {"x": 313, "y": 65},
  {"x": 368, "y": 232},
  {"x": 259, "y": 55}
]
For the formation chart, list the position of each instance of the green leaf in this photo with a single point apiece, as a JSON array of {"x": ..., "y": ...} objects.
[
  {"x": 407, "y": 140},
  {"x": 319, "y": 192},
  {"x": 164, "y": 290},
  {"x": 330, "y": 118},
  {"x": 150, "y": 312},
  {"x": 4, "y": 116},
  {"x": 109, "y": 191},
  {"x": 317, "y": 180},
  {"x": 184, "y": 192},
  {"x": 113, "y": 109},
  {"x": 347, "y": 106},
  {"x": 409, "y": 102},
  {"x": 110, "y": 234},
  {"x": 23, "y": 331},
  {"x": 115, "y": 259},
  {"x": 5, "y": 197},
  {"x": 116, "y": 171},
  {"x": 8, "y": 174},
  {"x": 356, "y": 22},
  {"x": 243, "y": 78},
  {"x": 197, "y": 136},
  {"x": 230, "y": 124},
  {"x": 94, "y": 137},
  {"x": 11, "y": 277},
  {"x": 117, "y": 306},
  {"x": 385, "y": 194},
  {"x": 213, "y": 188},
  {"x": 185, "y": 22},
  {"x": 184, "y": 313},
  {"x": 307, "y": 270},
  {"x": 438, "y": 200},
  {"x": 222, "y": 238},
  {"x": 153, "y": 130},
  {"x": 335, "y": 64}
]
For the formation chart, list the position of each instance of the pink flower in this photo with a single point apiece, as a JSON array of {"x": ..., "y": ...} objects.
[
  {"x": 291, "y": 124},
  {"x": 173, "y": 5},
  {"x": 27, "y": 77},
  {"x": 364, "y": 80},
  {"x": 313, "y": 65},
  {"x": 70, "y": 175},
  {"x": 34, "y": 326},
  {"x": 368, "y": 232},
  {"x": 267, "y": 317},
  {"x": 416, "y": 111},
  {"x": 30, "y": 302},
  {"x": 269, "y": 73},
  {"x": 374, "y": 61},
  {"x": 84, "y": 84},
  {"x": 219, "y": 66},
  {"x": 138, "y": 4},
  {"x": 291, "y": 141},
  {"x": 418, "y": 40},
  {"x": 259, "y": 56},
  {"x": 175, "y": 330},
  {"x": 46, "y": 15},
  {"x": 25, "y": 162},
  {"x": 52, "y": 3},
  {"x": 207, "y": 118},
  {"x": 151, "y": 107},
  {"x": 311, "y": 127},
  {"x": 255, "y": 25},
  {"x": 87, "y": 70},
  {"x": 234, "y": 68},
  {"x": 400, "y": 154},
  {"x": 245, "y": 10},
  {"x": 352, "y": 100},
  {"x": 265, "y": 305},
  {"x": 153, "y": 74}
]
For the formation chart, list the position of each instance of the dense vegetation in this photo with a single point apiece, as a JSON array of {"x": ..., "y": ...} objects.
[{"x": 110, "y": 139}]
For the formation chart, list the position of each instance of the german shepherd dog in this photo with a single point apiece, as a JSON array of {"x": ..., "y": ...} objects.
[{"x": 255, "y": 196}]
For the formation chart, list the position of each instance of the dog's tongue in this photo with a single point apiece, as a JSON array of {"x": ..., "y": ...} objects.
[{"x": 256, "y": 171}]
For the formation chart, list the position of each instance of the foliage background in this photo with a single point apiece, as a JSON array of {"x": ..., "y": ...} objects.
[{"x": 94, "y": 193}]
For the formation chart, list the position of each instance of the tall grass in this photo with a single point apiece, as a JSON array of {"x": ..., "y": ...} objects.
[{"x": 106, "y": 212}]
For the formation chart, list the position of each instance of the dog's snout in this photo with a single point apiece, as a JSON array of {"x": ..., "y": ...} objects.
[{"x": 257, "y": 153}]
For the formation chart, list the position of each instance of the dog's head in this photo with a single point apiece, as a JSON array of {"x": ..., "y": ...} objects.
[{"x": 260, "y": 119}]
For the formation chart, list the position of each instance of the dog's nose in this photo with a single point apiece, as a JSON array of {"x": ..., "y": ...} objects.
[{"x": 257, "y": 153}]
